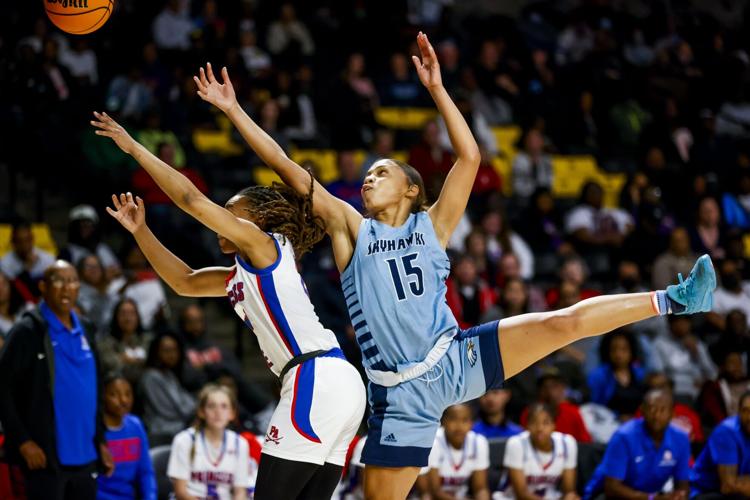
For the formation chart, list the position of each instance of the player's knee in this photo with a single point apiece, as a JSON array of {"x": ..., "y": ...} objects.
[{"x": 565, "y": 322}]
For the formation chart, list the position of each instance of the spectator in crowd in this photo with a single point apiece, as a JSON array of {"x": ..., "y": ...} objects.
[
  {"x": 84, "y": 238},
  {"x": 356, "y": 97},
  {"x": 127, "y": 442},
  {"x": 683, "y": 416},
  {"x": 685, "y": 358},
  {"x": 124, "y": 348},
  {"x": 381, "y": 147},
  {"x": 502, "y": 239},
  {"x": 431, "y": 159},
  {"x": 141, "y": 284},
  {"x": 593, "y": 227},
  {"x": 707, "y": 236},
  {"x": 532, "y": 168},
  {"x": 288, "y": 37},
  {"x": 723, "y": 467},
  {"x": 257, "y": 62},
  {"x": 543, "y": 228},
  {"x": 94, "y": 298},
  {"x": 719, "y": 398},
  {"x": 349, "y": 183},
  {"x": 617, "y": 382},
  {"x": 167, "y": 406},
  {"x": 513, "y": 300},
  {"x": 493, "y": 422},
  {"x": 297, "y": 110},
  {"x": 735, "y": 204},
  {"x": 496, "y": 81},
  {"x": 574, "y": 272},
  {"x": 209, "y": 459},
  {"x": 468, "y": 296},
  {"x": 732, "y": 294},
  {"x": 58, "y": 441},
  {"x": 510, "y": 269},
  {"x": 476, "y": 120},
  {"x": 11, "y": 305},
  {"x": 645, "y": 455},
  {"x": 81, "y": 63},
  {"x": 129, "y": 94},
  {"x": 154, "y": 137},
  {"x": 552, "y": 389},
  {"x": 736, "y": 337},
  {"x": 459, "y": 458},
  {"x": 25, "y": 264},
  {"x": 401, "y": 86},
  {"x": 678, "y": 258},
  {"x": 541, "y": 462},
  {"x": 172, "y": 27}
]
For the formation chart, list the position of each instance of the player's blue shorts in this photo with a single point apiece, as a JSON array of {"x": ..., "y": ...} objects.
[{"x": 405, "y": 418}]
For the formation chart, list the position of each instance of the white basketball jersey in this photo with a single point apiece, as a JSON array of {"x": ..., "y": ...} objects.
[
  {"x": 543, "y": 471},
  {"x": 456, "y": 466},
  {"x": 210, "y": 473},
  {"x": 274, "y": 302}
]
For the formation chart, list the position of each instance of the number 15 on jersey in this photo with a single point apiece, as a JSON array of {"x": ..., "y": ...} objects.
[{"x": 411, "y": 272}]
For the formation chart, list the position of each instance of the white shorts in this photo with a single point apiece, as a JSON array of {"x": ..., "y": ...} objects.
[{"x": 321, "y": 408}]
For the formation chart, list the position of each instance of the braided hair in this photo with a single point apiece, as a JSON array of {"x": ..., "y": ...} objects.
[{"x": 280, "y": 209}]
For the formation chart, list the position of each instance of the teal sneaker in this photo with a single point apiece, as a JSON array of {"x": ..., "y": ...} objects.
[{"x": 696, "y": 293}]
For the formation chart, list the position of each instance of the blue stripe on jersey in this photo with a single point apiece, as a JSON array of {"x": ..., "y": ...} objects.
[
  {"x": 273, "y": 306},
  {"x": 304, "y": 383},
  {"x": 365, "y": 337},
  {"x": 370, "y": 352},
  {"x": 355, "y": 314}
]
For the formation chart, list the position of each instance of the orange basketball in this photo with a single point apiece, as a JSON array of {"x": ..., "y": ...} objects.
[{"x": 78, "y": 17}]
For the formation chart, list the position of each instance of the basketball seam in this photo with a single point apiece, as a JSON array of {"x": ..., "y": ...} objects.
[
  {"x": 106, "y": 7},
  {"x": 92, "y": 27}
]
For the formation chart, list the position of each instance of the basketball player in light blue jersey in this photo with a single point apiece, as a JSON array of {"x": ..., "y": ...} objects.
[{"x": 393, "y": 269}]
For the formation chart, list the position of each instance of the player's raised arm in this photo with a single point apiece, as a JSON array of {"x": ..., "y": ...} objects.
[
  {"x": 207, "y": 282},
  {"x": 451, "y": 203},
  {"x": 258, "y": 245},
  {"x": 223, "y": 97}
]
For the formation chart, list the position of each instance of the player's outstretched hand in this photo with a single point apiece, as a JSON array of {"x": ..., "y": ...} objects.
[
  {"x": 210, "y": 90},
  {"x": 428, "y": 67},
  {"x": 109, "y": 128},
  {"x": 128, "y": 212}
]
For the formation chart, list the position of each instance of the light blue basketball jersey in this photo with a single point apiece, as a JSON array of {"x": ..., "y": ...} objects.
[{"x": 394, "y": 288}]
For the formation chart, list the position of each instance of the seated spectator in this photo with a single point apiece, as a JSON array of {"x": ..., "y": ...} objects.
[
  {"x": 644, "y": 456},
  {"x": 167, "y": 406},
  {"x": 127, "y": 442},
  {"x": 510, "y": 269},
  {"x": 552, "y": 389},
  {"x": 541, "y": 462},
  {"x": 723, "y": 467},
  {"x": 683, "y": 416},
  {"x": 288, "y": 39},
  {"x": 84, "y": 238},
  {"x": 479, "y": 127},
  {"x": 532, "y": 167},
  {"x": 573, "y": 271},
  {"x": 297, "y": 111},
  {"x": 459, "y": 458},
  {"x": 154, "y": 136},
  {"x": 685, "y": 358},
  {"x": 129, "y": 94},
  {"x": 513, "y": 300},
  {"x": 124, "y": 348},
  {"x": 348, "y": 186},
  {"x": 257, "y": 61},
  {"x": 678, "y": 258},
  {"x": 629, "y": 281},
  {"x": 736, "y": 204},
  {"x": 11, "y": 305},
  {"x": 192, "y": 468},
  {"x": 25, "y": 264},
  {"x": 731, "y": 294},
  {"x": 593, "y": 227},
  {"x": 172, "y": 27},
  {"x": 400, "y": 87},
  {"x": 380, "y": 147},
  {"x": 81, "y": 63},
  {"x": 719, "y": 398},
  {"x": 475, "y": 246},
  {"x": 431, "y": 159},
  {"x": 493, "y": 422},
  {"x": 141, "y": 283},
  {"x": 543, "y": 228},
  {"x": 617, "y": 382},
  {"x": 736, "y": 337},
  {"x": 707, "y": 236},
  {"x": 94, "y": 298},
  {"x": 356, "y": 98},
  {"x": 502, "y": 239},
  {"x": 468, "y": 296}
]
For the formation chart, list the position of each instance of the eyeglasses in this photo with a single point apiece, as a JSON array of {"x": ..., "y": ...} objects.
[{"x": 60, "y": 282}]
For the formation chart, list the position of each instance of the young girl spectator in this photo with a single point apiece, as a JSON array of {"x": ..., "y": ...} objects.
[
  {"x": 124, "y": 349},
  {"x": 126, "y": 439},
  {"x": 166, "y": 403},
  {"x": 617, "y": 382},
  {"x": 459, "y": 458},
  {"x": 208, "y": 460},
  {"x": 502, "y": 239},
  {"x": 541, "y": 463}
]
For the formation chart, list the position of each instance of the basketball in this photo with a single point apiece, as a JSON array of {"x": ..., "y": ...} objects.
[{"x": 78, "y": 17}]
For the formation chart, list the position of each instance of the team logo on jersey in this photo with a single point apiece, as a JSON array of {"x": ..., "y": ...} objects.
[
  {"x": 471, "y": 353},
  {"x": 272, "y": 436},
  {"x": 667, "y": 460}
]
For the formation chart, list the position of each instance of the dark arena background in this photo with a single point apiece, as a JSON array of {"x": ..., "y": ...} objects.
[{"x": 615, "y": 150}]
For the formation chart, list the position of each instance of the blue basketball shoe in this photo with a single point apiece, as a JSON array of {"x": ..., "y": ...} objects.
[{"x": 696, "y": 293}]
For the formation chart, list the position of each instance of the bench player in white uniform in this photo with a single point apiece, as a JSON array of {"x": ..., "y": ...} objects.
[
  {"x": 322, "y": 395},
  {"x": 540, "y": 462},
  {"x": 393, "y": 268}
]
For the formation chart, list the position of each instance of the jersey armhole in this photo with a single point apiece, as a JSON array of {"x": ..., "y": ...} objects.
[
  {"x": 356, "y": 243},
  {"x": 266, "y": 270}
]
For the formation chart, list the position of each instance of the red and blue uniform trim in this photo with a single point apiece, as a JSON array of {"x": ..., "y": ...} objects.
[{"x": 304, "y": 383}]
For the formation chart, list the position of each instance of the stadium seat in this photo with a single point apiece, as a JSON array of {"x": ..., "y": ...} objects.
[
  {"x": 42, "y": 238},
  {"x": 404, "y": 118},
  {"x": 589, "y": 457},
  {"x": 507, "y": 138},
  {"x": 160, "y": 459},
  {"x": 496, "y": 473}
]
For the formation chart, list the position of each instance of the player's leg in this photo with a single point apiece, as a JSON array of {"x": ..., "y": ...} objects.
[
  {"x": 527, "y": 338},
  {"x": 281, "y": 478},
  {"x": 323, "y": 483},
  {"x": 388, "y": 483}
]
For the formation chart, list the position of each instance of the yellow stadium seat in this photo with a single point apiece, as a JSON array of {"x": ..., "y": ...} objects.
[
  {"x": 746, "y": 241},
  {"x": 265, "y": 176},
  {"x": 502, "y": 166},
  {"x": 216, "y": 141},
  {"x": 404, "y": 118},
  {"x": 507, "y": 137},
  {"x": 5, "y": 231},
  {"x": 42, "y": 238},
  {"x": 324, "y": 160}
]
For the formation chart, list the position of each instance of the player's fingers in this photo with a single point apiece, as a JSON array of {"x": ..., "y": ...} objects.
[
  {"x": 225, "y": 76},
  {"x": 202, "y": 95},
  {"x": 116, "y": 201},
  {"x": 204, "y": 81},
  {"x": 198, "y": 83},
  {"x": 111, "y": 212},
  {"x": 123, "y": 199},
  {"x": 104, "y": 133},
  {"x": 211, "y": 77},
  {"x": 417, "y": 62},
  {"x": 129, "y": 196},
  {"x": 139, "y": 201}
]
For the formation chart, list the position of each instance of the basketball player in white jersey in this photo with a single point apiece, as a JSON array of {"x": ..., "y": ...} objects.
[{"x": 322, "y": 395}]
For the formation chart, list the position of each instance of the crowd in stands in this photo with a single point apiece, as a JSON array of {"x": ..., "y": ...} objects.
[{"x": 655, "y": 93}]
